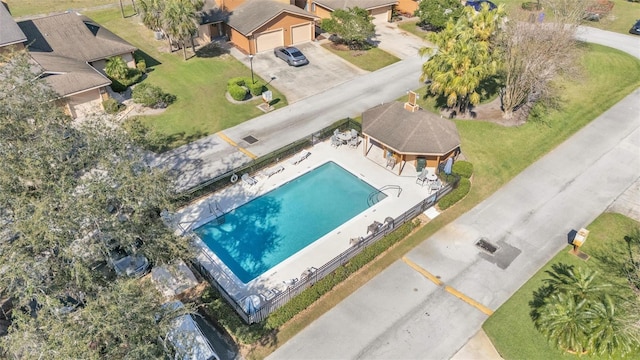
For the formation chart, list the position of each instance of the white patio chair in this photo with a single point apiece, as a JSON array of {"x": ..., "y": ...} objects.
[
  {"x": 422, "y": 177},
  {"x": 247, "y": 179}
]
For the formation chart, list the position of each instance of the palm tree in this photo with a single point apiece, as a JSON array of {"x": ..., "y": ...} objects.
[
  {"x": 615, "y": 329},
  {"x": 180, "y": 21},
  {"x": 116, "y": 68},
  {"x": 578, "y": 313},
  {"x": 565, "y": 322},
  {"x": 462, "y": 58}
]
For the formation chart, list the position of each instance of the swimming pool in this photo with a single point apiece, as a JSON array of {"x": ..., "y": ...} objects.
[{"x": 262, "y": 233}]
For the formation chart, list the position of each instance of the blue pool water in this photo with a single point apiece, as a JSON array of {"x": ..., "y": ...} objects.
[{"x": 262, "y": 233}]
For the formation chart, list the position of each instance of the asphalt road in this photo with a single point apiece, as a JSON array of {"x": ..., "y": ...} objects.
[{"x": 413, "y": 310}]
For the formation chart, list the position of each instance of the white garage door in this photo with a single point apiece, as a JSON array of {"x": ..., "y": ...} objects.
[
  {"x": 380, "y": 15},
  {"x": 301, "y": 33},
  {"x": 269, "y": 40}
]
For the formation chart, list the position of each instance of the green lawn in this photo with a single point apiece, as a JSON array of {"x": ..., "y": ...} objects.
[
  {"x": 199, "y": 84},
  {"x": 35, "y": 7},
  {"x": 370, "y": 60},
  {"x": 510, "y": 328}
]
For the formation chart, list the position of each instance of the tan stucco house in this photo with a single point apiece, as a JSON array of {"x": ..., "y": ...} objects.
[
  {"x": 257, "y": 25},
  {"x": 407, "y": 6},
  {"x": 72, "y": 50}
]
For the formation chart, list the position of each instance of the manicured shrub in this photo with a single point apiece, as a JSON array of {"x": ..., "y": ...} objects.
[
  {"x": 111, "y": 106},
  {"x": 456, "y": 194},
  {"x": 151, "y": 96},
  {"x": 256, "y": 89},
  {"x": 141, "y": 65},
  {"x": 237, "y": 92},
  {"x": 463, "y": 168},
  {"x": 240, "y": 81},
  {"x": 120, "y": 85}
]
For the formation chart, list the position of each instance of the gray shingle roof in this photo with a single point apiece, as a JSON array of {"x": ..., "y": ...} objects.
[
  {"x": 251, "y": 15},
  {"x": 73, "y": 36},
  {"x": 419, "y": 132},
  {"x": 10, "y": 32},
  {"x": 68, "y": 76},
  {"x": 364, "y": 4}
]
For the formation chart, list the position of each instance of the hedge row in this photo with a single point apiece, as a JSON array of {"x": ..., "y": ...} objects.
[
  {"x": 456, "y": 194},
  {"x": 463, "y": 168},
  {"x": 120, "y": 85},
  {"x": 313, "y": 293}
]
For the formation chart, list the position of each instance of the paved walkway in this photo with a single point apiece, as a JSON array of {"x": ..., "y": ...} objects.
[
  {"x": 217, "y": 154},
  {"x": 430, "y": 303}
]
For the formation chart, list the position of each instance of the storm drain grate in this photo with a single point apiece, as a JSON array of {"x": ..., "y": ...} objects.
[
  {"x": 485, "y": 245},
  {"x": 250, "y": 139}
]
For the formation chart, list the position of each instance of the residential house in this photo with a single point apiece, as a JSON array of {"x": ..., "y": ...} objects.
[
  {"x": 72, "y": 51},
  {"x": 11, "y": 36},
  {"x": 256, "y": 25},
  {"x": 380, "y": 10}
]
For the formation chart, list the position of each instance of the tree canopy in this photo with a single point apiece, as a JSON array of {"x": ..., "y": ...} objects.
[
  {"x": 353, "y": 26},
  {"x": 435, "y": 14},
  {"x": 177, "y": 19},
  {"x": 578, "y": 312},
  {"x": 70, "y": 192},
  {"x": 463, "y": 57}
]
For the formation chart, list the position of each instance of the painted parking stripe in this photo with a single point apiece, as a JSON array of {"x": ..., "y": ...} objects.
[
  {"x": 468, "y": 300},
  {"x": 224, "y": 137},
  {"x": 447, "y": 288},
  {"x": 422, "y": 271}
]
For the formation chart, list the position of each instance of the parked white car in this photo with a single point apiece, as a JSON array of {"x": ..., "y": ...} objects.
[{"x": 187, "y": 339}]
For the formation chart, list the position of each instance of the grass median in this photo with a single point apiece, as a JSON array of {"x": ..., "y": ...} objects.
[{"x": 511, "y": 329}]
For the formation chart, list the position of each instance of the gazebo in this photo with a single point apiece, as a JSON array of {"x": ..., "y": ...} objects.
[{"x": 408, "y": 135}]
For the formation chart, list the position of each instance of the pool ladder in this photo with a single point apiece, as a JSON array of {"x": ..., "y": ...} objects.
[
  {"x": 374, "y": 197},
  {"x": 217, "y": 213}
]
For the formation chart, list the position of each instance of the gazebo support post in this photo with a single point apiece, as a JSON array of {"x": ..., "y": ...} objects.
[{"x": 400, "y": 164}]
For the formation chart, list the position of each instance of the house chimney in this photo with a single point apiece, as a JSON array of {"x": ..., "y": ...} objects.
[{"x": 412, "y": 104}]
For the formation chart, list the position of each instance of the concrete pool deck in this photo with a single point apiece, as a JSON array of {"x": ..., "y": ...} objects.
[{"x": 322, "y": 250}]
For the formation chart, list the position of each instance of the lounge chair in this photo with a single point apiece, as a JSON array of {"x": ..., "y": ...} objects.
[
  {"x": 300, "y": 156},
  {"x": 354, "y": 133},
  {"x": 422, "y": 177},
  {"x": 247, "y": 179},
  {"x": 273, "y": 170}
]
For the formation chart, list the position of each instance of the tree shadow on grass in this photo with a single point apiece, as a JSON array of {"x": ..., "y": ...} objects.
[
  {"x": 211, "y": 50},
  {"x": 148, "y": 59}
]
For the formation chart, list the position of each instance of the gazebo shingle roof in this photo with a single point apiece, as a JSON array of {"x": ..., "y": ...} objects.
[
  {"x": 253, "y": 14},
  {"x": 419, "y": 132}
]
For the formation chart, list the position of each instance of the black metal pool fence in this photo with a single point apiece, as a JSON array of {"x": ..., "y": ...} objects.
[{"x": 269, "y": 305}]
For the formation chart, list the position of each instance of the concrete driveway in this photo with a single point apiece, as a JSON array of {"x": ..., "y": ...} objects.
[
  {"x": 390, "y": 38},
  {"x": 324, "y": 71}
]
